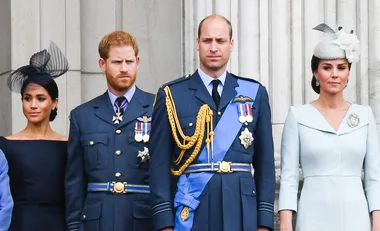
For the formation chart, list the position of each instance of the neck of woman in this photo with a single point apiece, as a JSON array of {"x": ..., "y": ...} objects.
[
  {"x": 38, "y": 130},
  {"x": 332, "y": 102}
]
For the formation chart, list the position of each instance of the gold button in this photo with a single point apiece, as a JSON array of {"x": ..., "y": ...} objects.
[
  {"x": 91, "y": 142},
  {"x": 118, "y": 174},
  {"x": 118, "y": 152},
  {"x": 84, "y": 216},
  {"x": 118, "y": 131},
  {"x": 219, "y": 113}
]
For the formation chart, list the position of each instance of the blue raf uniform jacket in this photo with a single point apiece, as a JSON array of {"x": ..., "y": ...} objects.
[
  {"x": 230, "y": 201},
  {"x": 6, "y": 202},
  {"x": 100, "y": 151}
]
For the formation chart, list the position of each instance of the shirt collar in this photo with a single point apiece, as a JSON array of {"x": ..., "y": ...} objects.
[
  {"x": 206, "y": 79},
  {"x": 129, "y": 94}
]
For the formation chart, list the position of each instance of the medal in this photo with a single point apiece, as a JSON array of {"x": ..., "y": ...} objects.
[
  {"x": 242, "y": 119},
  {"x": 144, "y": 155},
  {"x": 353, "y": 120},
  {"x": 246, "y": 138},
  {"x": 116, "y": 119},
  {"x": 145, "y": 138},
  {"x": 119, "y": 117},
  {"x": 248, "y": 112},
  {"x": 249, "y": 118},
  {"x": 241, "y": 112},
  {"x": 138, "y": 136}
]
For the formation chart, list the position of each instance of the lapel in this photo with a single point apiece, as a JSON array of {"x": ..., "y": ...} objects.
[
  {"x": 201, "y": 93},
  {"x": 137, "y": 107},
  {"x": 360, "y": 112},
  {"x": 104, "y": 109},
  {"x": 312, "y": 118},
  {"x": 229, "y": 91}
]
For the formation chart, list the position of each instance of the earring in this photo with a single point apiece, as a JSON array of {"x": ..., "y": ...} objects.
[{"x": 316, "y": 82}]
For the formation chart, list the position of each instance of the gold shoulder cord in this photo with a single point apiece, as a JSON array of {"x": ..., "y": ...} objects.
[{"x": 204, "y": 121}]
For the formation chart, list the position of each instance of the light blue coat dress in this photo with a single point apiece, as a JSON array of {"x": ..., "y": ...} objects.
[
  {"x": 6, "y": 202},
  {"x": 332, "y": 197}
]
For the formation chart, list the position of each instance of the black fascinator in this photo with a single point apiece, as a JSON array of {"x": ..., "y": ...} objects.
[{"x": 44, "y": 65}]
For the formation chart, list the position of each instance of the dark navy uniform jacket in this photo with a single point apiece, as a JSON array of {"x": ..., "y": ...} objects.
[
  {"x": 101, "y": 151},
  {"x": 230, "y": 201}
]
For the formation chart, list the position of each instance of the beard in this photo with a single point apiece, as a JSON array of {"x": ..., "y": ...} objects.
[{"x": 119, "y": 84}]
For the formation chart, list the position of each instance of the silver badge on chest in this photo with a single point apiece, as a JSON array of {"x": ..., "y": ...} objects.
[
  {"x": 246, "y": 138},
  {"x": 353, "y": 120},
  {"x": 144, "y": 155}
]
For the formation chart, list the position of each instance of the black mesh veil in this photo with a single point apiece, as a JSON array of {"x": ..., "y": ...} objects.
[{"x": 48, "y": 62}]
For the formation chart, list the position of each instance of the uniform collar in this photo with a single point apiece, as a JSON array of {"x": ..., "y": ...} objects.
[
  {"x": 206, "y": 79},
  {"x": 128, "y": 95}
]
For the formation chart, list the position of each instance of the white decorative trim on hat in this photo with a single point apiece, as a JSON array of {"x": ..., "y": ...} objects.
[
  {"x": 349, "y": 42},
  {"x": 337, "y": 45}
]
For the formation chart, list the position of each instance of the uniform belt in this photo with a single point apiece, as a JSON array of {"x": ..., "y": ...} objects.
[
  {"x": 220, "y": 167},
  {"x": 118, "y": 187}
]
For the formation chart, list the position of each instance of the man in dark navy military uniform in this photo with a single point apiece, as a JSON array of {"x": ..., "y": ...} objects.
[
  {"x": 107, "y": 183},
  {"x": 209, "y": 129}
]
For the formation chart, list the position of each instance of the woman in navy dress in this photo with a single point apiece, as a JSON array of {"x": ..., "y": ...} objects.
[{"x": 36, "y": 156}]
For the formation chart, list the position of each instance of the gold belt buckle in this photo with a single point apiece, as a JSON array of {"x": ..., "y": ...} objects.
[
  {"x": 118, "y": 187},
  {"x": 224, "y": 167}
]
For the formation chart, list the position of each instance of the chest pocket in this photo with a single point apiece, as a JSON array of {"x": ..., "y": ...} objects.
[
  {"x": 95, "y": 148},
  {"x": 188, "y": 125}
]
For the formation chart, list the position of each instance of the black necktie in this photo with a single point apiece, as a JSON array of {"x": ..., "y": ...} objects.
[
  {"x": 121, "y": 104},
  {"x": 215, "y": 94}
]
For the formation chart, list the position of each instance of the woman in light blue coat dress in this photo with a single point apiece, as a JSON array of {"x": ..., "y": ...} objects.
[
  {"x": 6, "y": 202},
  {"x": 332, "y": 140}
]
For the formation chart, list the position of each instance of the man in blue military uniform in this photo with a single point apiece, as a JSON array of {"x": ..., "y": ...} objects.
[
  {"x": 6, "y": 202},
  {"x": 107, "y": 181},
  {"x": 209, "y": 129}
]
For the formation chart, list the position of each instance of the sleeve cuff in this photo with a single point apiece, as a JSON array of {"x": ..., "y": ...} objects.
[
  {"x": 163, "y": 216},
  {"x": 73, "y": 226},
  {"x": 265, "y": 217}
]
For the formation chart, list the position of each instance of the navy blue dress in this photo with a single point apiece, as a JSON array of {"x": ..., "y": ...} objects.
[{"x": 36, "y": 171}]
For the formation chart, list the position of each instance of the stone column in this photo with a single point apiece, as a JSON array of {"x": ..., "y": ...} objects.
[
  {"x": 5, "y": 68},
  {"x": 374, "y": 57}
]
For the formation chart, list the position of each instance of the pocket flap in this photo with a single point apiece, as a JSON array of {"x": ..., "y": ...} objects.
[
  {"x": 247, "y": 186},
  {"x": 96, "y": 138},
  {"x": 187, "y": 122},
  {"x": 92, "y": 211},
  {"x": 141, "y": 210}
]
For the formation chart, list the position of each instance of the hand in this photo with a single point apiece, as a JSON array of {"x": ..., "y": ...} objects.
[
  {"x": 262, "y": 229},
  {"x": 376, "y": 220},
  {"x": 286, "y": 228},
  {"x": 167, "y": 229},
  {"x": 286, "y": 220}
]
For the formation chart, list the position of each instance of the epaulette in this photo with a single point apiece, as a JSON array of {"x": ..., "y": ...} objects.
[
  {"x": 245, "y": 78},
  {"x": 183, "y": 78}
]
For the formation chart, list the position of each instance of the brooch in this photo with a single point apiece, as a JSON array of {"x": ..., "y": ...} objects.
[{"x": 353, "y": 120}]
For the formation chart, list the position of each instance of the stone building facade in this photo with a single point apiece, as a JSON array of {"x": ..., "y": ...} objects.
[{"x": 274, "y": 41}]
